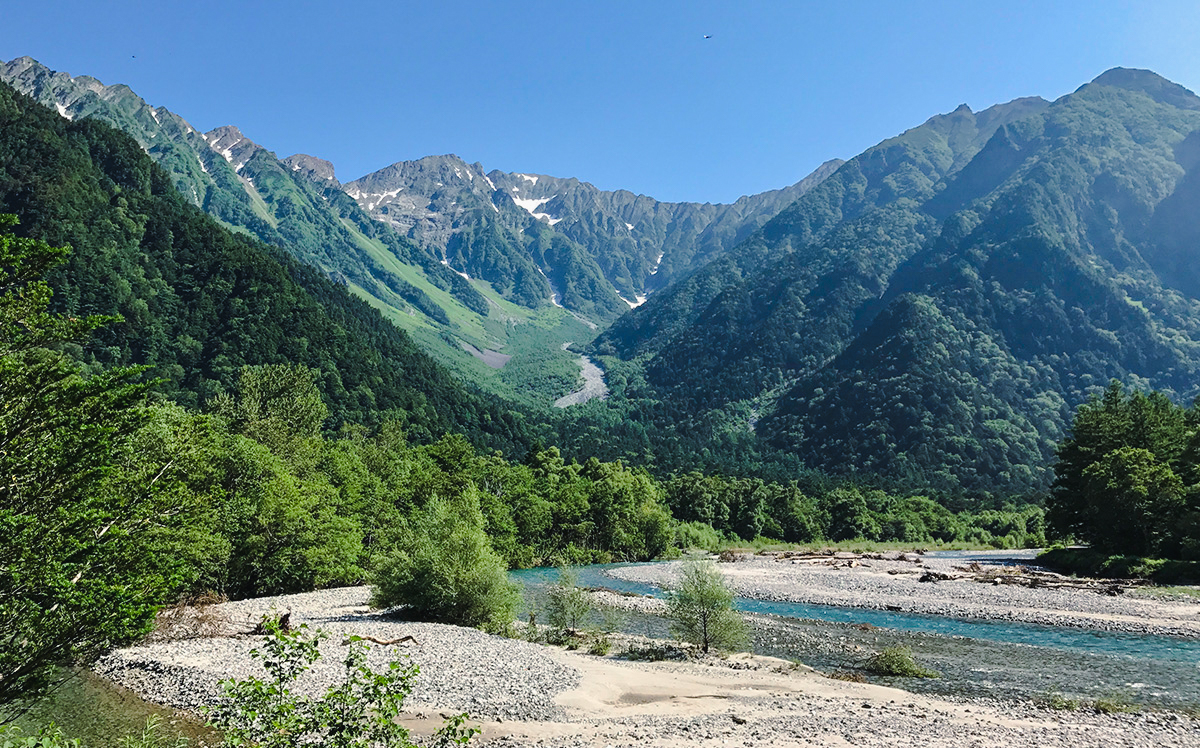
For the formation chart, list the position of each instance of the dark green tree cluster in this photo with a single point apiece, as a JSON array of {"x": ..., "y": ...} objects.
[
  {"x": 750, "y": 508},
  {"x": 1128, "y": 476}
]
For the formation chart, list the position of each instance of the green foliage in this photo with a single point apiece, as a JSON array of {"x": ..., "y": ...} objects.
[
  {"x": 567, "y": 604},
  {"x": 700, "y": 609},
  {"x": 80, "y": 569},
  {"x": 1118, "y": 482},
  {"x": 897, "y": 661},
  {"x": 47, "y": 737},
  {"x": 360, "y": 712},
  {"x": 1087, "y": 562},
  {"x": 444, "y": 569},
  {"x": 698, "y": 535}
]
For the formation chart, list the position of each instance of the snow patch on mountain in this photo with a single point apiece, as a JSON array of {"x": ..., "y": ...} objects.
[
  {"x": 531, "y": 206},
  {"x": 62, "y": 110},
  {"x": 528, "y": 178},
  {"x": 633, "y": 304},
  {"x": 555, "y": 299}
]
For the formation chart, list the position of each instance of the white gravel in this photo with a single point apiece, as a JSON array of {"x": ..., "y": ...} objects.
[
  {"x": 462, "y": 669},
  {"x": 511, "y": 686}
]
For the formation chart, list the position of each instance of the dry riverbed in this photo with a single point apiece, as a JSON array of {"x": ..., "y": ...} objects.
[{"x": 525, "y": 694}]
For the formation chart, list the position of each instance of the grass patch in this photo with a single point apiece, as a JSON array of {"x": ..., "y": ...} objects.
[
  {"x": 1086, "y": 562},
  {"x": 899, "y": 662},
  {"x": 1115, "y": 704},
  {"x": 1058, "y": 702}
]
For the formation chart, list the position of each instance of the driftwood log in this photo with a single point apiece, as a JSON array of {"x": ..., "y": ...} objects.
[{"x": 387, "y": 642}]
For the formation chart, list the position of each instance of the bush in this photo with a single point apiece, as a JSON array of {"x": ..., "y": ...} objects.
[
  {"x": 444, "y": 569},
  {"x": 897, "y": 661},
  {"x": 697, "y": 535},
  {"x": 566, "y": 604},
  {"x": 361, "y": 712},
  {"x": 701, "y": 610},
  {"x": 47, "y": 737}
]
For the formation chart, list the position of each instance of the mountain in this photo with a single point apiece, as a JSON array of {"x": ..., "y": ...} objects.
[
  {"x": 455, "y": 259},
  {"x": 934, "y": 311},
  {"x": 298, "y": 204},
  {"x": 196, "y": 301},
  {"x": 595, "y": 251}
]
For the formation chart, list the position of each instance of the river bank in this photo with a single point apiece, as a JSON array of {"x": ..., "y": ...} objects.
[
  {"x": 525, "y": 694},
  {"x": 893, "y": 583}
]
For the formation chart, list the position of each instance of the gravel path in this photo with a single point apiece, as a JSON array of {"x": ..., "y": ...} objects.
[
  {"x": 507, "y": 679},
  {"x": 870, "y": 585}
]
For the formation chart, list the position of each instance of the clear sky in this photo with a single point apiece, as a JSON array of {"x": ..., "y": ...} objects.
[{"x": 621, "y": 94}]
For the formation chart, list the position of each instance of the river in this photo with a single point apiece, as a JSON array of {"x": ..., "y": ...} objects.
[{"x": 999, "y": 659}]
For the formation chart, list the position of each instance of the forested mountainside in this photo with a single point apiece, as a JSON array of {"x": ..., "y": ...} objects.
[
  {"x": 935, "y": 310},
  {"x": 198, "y": 302},
  {"x": 298, "y": 204},
  {"x": 599, "y": 251},
  {"x": 484, "y": 274}
]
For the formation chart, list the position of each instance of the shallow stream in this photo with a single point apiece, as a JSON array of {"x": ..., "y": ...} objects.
[{"x": 976, "y": 658}]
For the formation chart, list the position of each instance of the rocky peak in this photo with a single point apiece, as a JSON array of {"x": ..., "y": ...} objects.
[
  {"x": 236, "y": 148},
  {"x": 316, "y": 169}
]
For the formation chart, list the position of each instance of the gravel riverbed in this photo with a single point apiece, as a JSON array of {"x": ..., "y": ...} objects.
[
  {"x": 527, "y": 694},
  {"x": 462, "y": 669},
  {"x": 870, "y": 585}
]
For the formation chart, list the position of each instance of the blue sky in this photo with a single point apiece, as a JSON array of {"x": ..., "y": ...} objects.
[{"x": 622, "y": 94}]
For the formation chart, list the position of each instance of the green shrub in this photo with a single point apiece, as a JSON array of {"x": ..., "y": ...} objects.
[
  {"x": 648, "y": 653},
  {"x": 698, "y": 535},
  {"x": 1061, "y": 703},
  {"x": 360, "y": 712},
  {"x": 601, "y": 645},
  {"x": 701, "y": 610},
  {"x": 444, "y": 569},
  {"x": 47, "y": 737},
  {"x": 567, "y": 606},
  {"x": 1115, "y": 704},
  {"x": 897, "y": 661}
]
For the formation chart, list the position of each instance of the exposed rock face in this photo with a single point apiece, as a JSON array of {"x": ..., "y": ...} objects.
[
  {"x": 316, "y": 169},
  {"x": 638, "y": 244}
]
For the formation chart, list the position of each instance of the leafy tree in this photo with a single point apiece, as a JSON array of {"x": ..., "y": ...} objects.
[
  {"x": 78, "y": 567},
  {"x": 1134, "y": 503},
  {"x": 700, "y": 609},
  {"x": 443, "y": 568},
  {"x": 1116, "y": 483},
  {"x": 567, "y": 605}
]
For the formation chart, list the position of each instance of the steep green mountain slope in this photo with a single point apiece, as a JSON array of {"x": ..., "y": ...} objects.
[
  {"x": 198, "y": 302},
  {"x": 594, "y": 251},
  {"x": 475, "y": 272},
  {"x": 298, "y": 204},
  {"x": 934, "y": 310}
]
